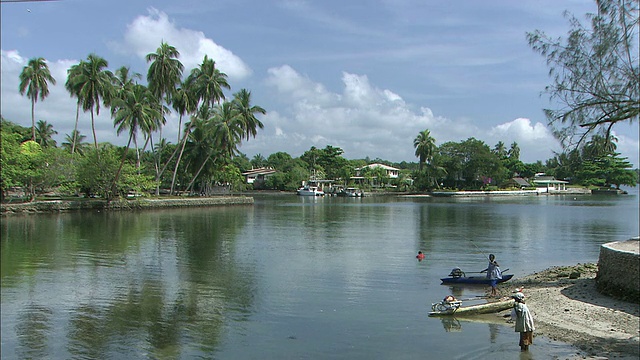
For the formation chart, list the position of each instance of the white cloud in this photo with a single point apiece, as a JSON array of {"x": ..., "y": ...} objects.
[{"x": 145, "y": 33}]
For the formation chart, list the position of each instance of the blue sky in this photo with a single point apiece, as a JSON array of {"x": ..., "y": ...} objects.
[{"x": 365, "y": 76}]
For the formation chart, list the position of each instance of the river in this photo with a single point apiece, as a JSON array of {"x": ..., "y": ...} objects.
[{"x": 287, "y": 278}]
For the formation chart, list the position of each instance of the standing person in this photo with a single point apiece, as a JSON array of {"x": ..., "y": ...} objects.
[
  {"x": 493, "y": 274},
  {"x": 524, "y": 321}
]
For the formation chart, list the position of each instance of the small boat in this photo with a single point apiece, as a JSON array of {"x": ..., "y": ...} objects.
[
  {"x": 350, "y": 192},
  {"x": 454, "y": 308},
  {"x": 310, "y": 191},
  {"x": 480, "y": 280},
  {"x": 458, "y": 276}
]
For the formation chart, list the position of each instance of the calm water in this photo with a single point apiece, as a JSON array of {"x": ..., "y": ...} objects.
[{"x": 288, "y": 278}]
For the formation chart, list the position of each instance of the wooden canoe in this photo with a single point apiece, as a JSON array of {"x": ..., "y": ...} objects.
[
  {"x": 474, "y": 280},
  {"x": 488, "y": 308}
]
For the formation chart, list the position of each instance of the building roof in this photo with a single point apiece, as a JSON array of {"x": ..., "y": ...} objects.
[
  {"x": 259, "y": 171},
  {"x": 520, "y": 181},
  {"x": 386, "y": 167}
]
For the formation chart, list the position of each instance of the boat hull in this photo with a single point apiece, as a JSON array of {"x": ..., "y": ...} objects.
[
  {"x": 478, "y": 280},
  {"x": 488, "y": 308}
]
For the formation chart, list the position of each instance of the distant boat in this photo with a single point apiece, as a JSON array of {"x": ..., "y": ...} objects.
[
  {"x": 351, "y": 192},
  {"x": 310, "y": 191}
]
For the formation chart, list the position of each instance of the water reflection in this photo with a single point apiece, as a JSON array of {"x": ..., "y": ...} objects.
[{"x": 287, "y": 278}]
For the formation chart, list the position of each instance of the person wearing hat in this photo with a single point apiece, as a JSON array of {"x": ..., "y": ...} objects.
[{"x": 524, "y": 321}]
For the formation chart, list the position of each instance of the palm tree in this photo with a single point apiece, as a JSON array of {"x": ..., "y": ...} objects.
[
  {"x": 34, "y": 81},
  {"x": 74, "y": 90},
  {"x": 94, "y": 84},
  {"x": 135, "y": 108},
  {"x": 200, "y": 148},
  {"x": 185, "y": 101},
  {"x": 164, "y": 73},
  {"x": 44, "y": 134},
  {"x": 207, "y": 82},
  {"x": 227, "y": 129},
  {"x": 246, "y": 112},
  {"x": 425, "y": 146},
  {"x": 74, "y": 142}
]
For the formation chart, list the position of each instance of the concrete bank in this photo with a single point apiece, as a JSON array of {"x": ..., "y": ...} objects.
[
  {"x": 619, "y": 269},
  {"x": 54, "y": 206}
]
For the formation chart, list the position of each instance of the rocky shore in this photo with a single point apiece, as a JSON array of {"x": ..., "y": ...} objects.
[
  {"x": 567, "y": 307},
  {"x": 54, "y": 206}
]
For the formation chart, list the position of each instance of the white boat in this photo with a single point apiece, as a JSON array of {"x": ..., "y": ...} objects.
[
  {"x": 310, "y": 191},
  {"x": 351, "y": 192}
]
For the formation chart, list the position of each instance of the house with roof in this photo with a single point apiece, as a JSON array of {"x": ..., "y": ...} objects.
[
  {"x": 546, "y": 183},
  {"x": 519, "y": 183},
  {"x": 258, "y": 176},
  {"x": 392, "y": 172}
]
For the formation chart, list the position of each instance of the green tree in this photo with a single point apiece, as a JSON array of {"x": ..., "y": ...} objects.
[
  {"x": 34, "y": 81},
  {"x": 207, "y": 82},
  {"x": 425, "y": 146},
  {"x": 74, "y": 142},
  {"x": 93, "y": 84},
  {"x": 135, "y": 108},
  {"x": 258, "y": 161},
  {"x": 73, "y": 87},
  {"x": 595, "y": 72},
  {"x": 247, "y": 113},
  {"x": 33, "y": 161},
  {"x": 44, "y": 134},
  {"x": 165, "y": 73}
]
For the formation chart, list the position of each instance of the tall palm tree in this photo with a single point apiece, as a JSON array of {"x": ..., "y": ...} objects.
[
  {"x": 74, "y": 91},
  {"x": 227, "y": 129},
  {"x": 246, "y": 113},
  {"x": 207, "y": 82},
  {"x": 165, "y": 72},
  {"x": 44, "y": 134},
  {"x": 425, "y": 146},
  {"x": 200, "y": 147},
  {"x": 185, "y": 102},
  {"x": 94, "y": 84},
  {"x": 135, "y": 108},
  {"x": 34, "y": 81}
]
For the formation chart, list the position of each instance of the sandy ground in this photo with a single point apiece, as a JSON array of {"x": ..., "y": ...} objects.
[{"x": 573, "y": 311}]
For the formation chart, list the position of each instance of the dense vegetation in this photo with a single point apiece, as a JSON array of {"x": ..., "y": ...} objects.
[{"x": 42, "y": 166}]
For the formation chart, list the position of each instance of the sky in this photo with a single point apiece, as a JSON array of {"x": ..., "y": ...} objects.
[{"x": 365, "y": 76}]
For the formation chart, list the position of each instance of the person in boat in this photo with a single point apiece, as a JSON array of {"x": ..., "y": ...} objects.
[
  {"x": 524, "y": 321},
  {"x": 420, "y": 255},
  {"x": 493, "y": 274}
]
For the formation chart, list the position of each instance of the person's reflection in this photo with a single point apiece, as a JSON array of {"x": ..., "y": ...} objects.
[
  {"x": 493, "y": 332},
  {"x": 451, "y": 324},
  {"x": 456, "y": 291}
]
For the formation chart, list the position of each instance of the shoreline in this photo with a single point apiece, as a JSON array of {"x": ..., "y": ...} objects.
[
  {"x": 58, "y": 206},
  {"x": 574, "y": 312}
]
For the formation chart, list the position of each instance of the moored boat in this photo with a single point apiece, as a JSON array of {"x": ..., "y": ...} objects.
[
  {"x": 310, "y": 191},
  {"x": 351, "y": 192}
]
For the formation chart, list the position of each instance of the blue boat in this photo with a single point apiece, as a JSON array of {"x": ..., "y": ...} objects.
[{"x": 478, "y": 280}]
